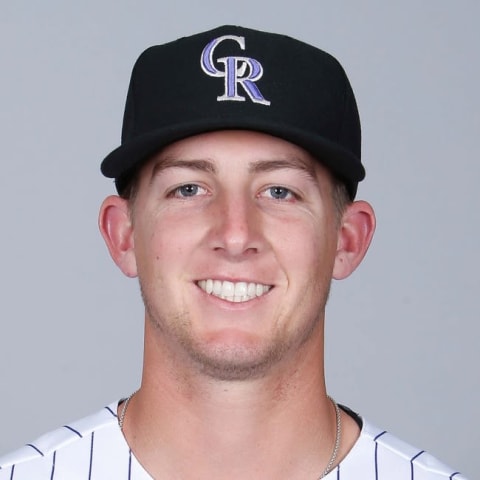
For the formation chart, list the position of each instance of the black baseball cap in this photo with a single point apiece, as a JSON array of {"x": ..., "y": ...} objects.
[{"x": 238, "y": 78}]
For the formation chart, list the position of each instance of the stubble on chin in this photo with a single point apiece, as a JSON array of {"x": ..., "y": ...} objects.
[{"x": 226, "y": 362}]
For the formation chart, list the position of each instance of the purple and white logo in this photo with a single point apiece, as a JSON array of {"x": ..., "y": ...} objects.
[{"x": 237, "y": 71}]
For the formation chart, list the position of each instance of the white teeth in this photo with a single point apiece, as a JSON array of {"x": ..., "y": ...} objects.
[
  {"x": 240, "y": 289},
  {"x": 236, "y": 292},
  {"x": 217, "y": 287},
  {"x": 228, "y": 289}
]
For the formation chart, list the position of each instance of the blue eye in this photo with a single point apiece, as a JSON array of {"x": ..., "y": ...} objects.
[
  {"x": 188, "y": 190},
  {"x": 280, "y": 193}
]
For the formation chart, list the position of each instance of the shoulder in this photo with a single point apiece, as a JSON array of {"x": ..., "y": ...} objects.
[
  {"x": 71, "y": 448},
  {"x": 379, "y": 455}
]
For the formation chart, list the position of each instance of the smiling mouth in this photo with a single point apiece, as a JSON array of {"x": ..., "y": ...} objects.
[{"x": 235, "y": 292}]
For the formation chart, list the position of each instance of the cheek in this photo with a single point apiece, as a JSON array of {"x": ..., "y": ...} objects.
[
  {"x": 163, "y": 241},
  {"x": 308, "y": 247}
]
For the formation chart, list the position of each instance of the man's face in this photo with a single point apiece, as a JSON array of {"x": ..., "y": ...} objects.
[{"x": 235, "y": 239}]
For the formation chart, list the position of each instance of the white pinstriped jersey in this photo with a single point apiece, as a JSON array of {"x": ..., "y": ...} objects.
[{"x": 94, "y": 449}]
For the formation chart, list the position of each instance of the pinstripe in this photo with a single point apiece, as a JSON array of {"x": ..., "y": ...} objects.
[
  {"x": 129, "y": 464},
  {"x": 53, "y": 465},
  {"x": 412, "y": 475},
  {"x": 91, "y": 457},
  {"x": 376, "y": 452},
  {"x": 379, "y": 435},
  {"x": 111, "y": 411},
  {"x": 73, "y": 430},
  {"x": 35, "y": 448},
  {"x": 384, "y": 449}
]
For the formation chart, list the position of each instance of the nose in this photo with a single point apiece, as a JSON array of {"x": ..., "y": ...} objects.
[{"x": 236, "y": 227}]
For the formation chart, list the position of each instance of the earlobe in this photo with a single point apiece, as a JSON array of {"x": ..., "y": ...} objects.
[
  {"x": 116, "y": 228},
  {"x": 355, "y": 234}
]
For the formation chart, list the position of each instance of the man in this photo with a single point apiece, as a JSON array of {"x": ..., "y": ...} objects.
[{"x": 236, "y": 176}]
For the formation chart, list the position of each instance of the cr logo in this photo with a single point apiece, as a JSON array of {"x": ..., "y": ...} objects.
[{"x": 243, "y": 71}]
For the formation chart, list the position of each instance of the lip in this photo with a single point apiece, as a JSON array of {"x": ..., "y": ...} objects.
[{"x": 233, "y": 291}]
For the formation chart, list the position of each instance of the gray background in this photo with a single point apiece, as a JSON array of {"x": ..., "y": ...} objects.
[{"x": 402, "y": 336}]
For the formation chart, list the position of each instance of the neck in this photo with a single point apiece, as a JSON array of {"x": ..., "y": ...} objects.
[{"x": 179, "y": 424}]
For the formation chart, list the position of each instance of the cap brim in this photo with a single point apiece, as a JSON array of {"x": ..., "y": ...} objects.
[{"x": 124, "y": 160}]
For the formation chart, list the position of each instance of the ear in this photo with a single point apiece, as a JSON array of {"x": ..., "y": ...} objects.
[
  {"x": 355, "y": 234},
  {"x": 116, "y": 227}
]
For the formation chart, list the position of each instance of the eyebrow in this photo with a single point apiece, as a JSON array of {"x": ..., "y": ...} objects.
[
  {"x": 170, "y": 162},
  {"x": 293, "y": 164},
  {"x": 259, "y": 166}
]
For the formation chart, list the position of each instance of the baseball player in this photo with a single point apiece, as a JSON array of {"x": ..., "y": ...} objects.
[{"x": 236, "y": 179}]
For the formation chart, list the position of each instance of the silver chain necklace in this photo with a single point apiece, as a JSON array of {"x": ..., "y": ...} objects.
[
  {"x": 338, "y": 437},
  {"x": 121, "y": 418},
  {"x": 336, "y": 446}
]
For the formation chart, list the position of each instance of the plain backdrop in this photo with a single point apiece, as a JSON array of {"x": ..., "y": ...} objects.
[{"x": 402, "y": 332}]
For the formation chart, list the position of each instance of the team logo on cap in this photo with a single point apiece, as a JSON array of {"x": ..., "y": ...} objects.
[{"x": 238, "y": 72}]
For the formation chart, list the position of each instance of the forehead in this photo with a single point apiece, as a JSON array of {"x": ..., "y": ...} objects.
[{"x": 238, "y": 149}]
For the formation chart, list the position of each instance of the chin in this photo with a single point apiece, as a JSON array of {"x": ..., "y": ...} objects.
[{"x": 235, "y": 361}]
